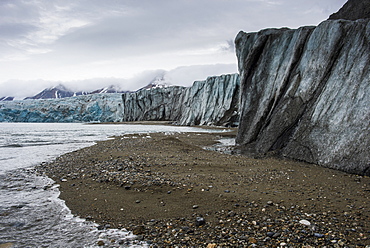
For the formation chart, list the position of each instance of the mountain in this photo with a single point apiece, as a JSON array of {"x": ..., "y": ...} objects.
[
  {"x": 56, "y": 92},
  {"x": 6, "y": 98},
  {"x": 157, "y": 82},
  {"x": 109, "y": 89},
  {"x": 60, "y": 91}
]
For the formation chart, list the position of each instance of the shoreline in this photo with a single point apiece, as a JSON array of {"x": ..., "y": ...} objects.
[{"x": 169, "y": 191}]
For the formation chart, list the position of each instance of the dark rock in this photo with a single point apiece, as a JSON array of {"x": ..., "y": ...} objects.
[
  {"x": 18, "y": 224},
  {"x": 231, "y": 214},
  {"x": 138, "y": 230},
  {"x": 19, "y": 206},
  {"x": 101, "y": 243},
  {"x": 101, "y": 227},
  {"x": 276, "y": 235},
  {"x": 305, "y": 94},
  {"x": 200, "y": 221}
]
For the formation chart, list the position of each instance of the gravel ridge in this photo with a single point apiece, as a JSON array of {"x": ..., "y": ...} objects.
[{"x": 171, "y": 192}]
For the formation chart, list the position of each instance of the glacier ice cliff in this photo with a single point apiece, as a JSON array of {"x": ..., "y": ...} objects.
[
  {"x": 305, "y": 93},
  {"x": 213, "y": 101},
  {"x": 86, "y": 108},
  {"x": 157, "y": 104}
]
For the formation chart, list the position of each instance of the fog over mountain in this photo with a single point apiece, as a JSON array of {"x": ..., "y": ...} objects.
[{"x": 184, "y": 76}]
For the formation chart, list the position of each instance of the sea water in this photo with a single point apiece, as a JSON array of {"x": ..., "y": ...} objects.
[{"x": 31, "y": 214}]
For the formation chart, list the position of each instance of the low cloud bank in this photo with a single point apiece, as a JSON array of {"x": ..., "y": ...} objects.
[{"x": 184, "y": 76}]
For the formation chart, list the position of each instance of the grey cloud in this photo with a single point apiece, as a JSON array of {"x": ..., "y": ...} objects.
[
  {"x": 15, "y": 31},
  {"x": 78, "y": 38},
  {"x": 161, "y": 27}
]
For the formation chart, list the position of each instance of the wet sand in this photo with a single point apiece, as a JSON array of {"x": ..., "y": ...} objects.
[{"x": 170, "y": 191}]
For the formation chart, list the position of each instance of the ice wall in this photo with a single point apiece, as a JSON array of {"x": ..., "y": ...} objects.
[
  {"x": 210, "y": 102},
  {"x": 305, "y": 93},
  {"x": 213, "y": 101},
  {"x": 87, "y": 108}
]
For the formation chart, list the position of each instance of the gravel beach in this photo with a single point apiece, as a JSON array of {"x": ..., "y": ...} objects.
[{"x": 180, "y": 190}]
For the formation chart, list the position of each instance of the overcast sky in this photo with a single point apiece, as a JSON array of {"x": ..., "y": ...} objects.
[{"x": 91, "y": 43}]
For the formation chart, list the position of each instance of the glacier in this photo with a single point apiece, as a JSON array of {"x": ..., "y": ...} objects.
[
  {"x": 213, "y": 101},
  {"x": 305, "y": 94},
  {"x": 86, "y": 108}
]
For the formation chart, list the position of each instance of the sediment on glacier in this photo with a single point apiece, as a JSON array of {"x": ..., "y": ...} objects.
[
  {"x": 213, "y": 101},
  {"x": 305, "y": 93},
  {"x": 353, "y": 10}
]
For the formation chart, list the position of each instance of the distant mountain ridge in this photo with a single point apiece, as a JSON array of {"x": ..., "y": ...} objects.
[
  {"x": 61, "y": 91},
  {"x": 56, "y": 92},
  {"x": 157, "y": 82},
  {"x": 6, "y": 98}
]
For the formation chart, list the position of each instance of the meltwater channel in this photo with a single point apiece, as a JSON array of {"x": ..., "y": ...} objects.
[{"x": 31, "y": 214}]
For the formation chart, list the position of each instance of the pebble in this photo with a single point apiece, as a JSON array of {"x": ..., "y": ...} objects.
[
  {"x": 101, "y": 243},
  {"x": 276, "y": 235},
  {"x": 200, "y": 221},
  {"x": 252, "y": 240},
  {"x": 319, "y": 235},
  {"x": 138, "y": 230},
  {"x": 305, "y": 222}
]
